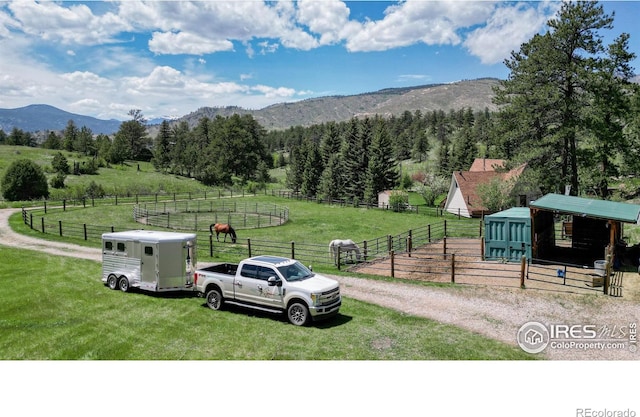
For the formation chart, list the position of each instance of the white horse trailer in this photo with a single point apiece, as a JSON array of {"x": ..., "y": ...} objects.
[{"x": 149, "y": 260}]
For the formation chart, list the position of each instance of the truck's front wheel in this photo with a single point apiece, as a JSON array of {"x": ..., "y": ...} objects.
[
  {"x": 298, "y": 314},
  {"x": 214, "y": 299}
]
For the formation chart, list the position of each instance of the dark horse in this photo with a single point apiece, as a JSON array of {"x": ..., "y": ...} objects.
[{"x": 223, "y": 228}]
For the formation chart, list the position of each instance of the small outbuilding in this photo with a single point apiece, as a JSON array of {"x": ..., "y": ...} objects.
[
  {"x": 508, "y": 234},
  {"x": 594, "y": 227}
]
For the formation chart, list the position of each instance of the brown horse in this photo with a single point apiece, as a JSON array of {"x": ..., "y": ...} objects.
[{"x": 223, "y": 228}]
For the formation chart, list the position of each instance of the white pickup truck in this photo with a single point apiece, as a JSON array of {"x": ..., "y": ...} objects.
[{"x": 273, "y": 284}]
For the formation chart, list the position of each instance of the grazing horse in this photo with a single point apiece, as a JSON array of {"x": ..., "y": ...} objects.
[
  {"x": 223, "y": 228},
  {"x": 349, "y": 246}
]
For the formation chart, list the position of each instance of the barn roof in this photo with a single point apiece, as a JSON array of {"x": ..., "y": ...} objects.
[{"x": 587, "y": 207}]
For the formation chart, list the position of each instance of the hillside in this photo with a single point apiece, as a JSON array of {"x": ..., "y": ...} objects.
[
  {"x": 42, "y": 117},
  {"x": 476, "y": 94}
]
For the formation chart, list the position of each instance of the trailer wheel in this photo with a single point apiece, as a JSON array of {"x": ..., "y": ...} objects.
[
  {"x": 215, "y": 299},
  {"x": 298, "y": 314},
  {"x": 123, "y": 284},
  {"x": 112, "y": 282}
]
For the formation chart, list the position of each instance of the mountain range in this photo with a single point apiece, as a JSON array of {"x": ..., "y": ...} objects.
[{"x": 474, "y": 94}]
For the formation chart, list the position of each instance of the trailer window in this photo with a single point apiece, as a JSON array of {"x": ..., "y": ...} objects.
[
  {"x": 148, "y": 250},
  {"x": 120, "y": 247},
  {"x": 108, "y": 245}
]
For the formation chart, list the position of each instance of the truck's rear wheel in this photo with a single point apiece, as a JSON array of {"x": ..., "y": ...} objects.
[
  {"x": 298, "y": 314},
  {"x": 112, "y": 282},
  {"x": 123, "y": 284},
  {"x": 215, "y": 299}
]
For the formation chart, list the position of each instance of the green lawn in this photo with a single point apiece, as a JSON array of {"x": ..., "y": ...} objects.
[{"x": 57, "y": 308}]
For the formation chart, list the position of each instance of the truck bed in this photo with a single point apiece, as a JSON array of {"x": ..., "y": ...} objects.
[{"x": 221, "y": 268}]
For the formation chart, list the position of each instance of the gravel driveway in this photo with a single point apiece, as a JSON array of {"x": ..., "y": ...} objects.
[{"x": 491, "y": 311}]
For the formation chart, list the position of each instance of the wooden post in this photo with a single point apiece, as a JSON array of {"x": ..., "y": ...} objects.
[
  {"x": 409, "y": 245},
  {"x": 85, "y": 231},
  {"x": 42, "y": 221},
  {"x": 60, "y": 226},
  {"x": 293, "y": 250},
  {"x": 453, "y": 268},
  {"x": 211, "y": 246},
  {"x": 339, "y": 258},
  {"x": 429, "y": 233},
  {"x": 364, "y": 247},
  {"x": 249, "y": 246},
  {"x": 445, "y": 227},
  {"x": 523, "y": 264},
  {"x": 444, "y": 247},
  {"x": 393, "y": 268},
  {"x": 482, "y": 248},
  {"x": 607, "y": 272}
]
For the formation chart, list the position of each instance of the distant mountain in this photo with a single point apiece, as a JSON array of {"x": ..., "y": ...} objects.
[
  {"x": 476, "y": 94},
  {"x": 42, "y": 117}
]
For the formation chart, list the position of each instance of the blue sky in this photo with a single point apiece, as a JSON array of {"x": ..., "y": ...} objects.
[{"x": 169, "y": 58}]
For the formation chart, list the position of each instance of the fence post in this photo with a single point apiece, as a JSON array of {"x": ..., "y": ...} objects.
[
  {"x": 453, "y": 268},
  {"x": 607, "y": 272},
  {"x": 85, "y": 231},
  {"x": 60, "y": 226},
  {"x": 389, "y": 243},
  {"x": 45, "y": 207},
  {"x": 445, "y": 227},
  {"x": 31, "y": 220},
  {"x": 429, "y": 233},
  {"x": 249, "y": 246},
  {"x": 480, "y": 232},
  {"x": 409, "y": 245},
  {"x": 523, "y": 264},
  {"x": 393, "y": 266},
  {"x": 482, "y": 248},
  {"x": 339, "y": 258},
  {"x": 211, "y": 246},
  {"x": 64, "y": 205},
  {"x": 42, "y": 221},
  {"x": 444, "y": 246},
  {"x": 293, "y": 250}
]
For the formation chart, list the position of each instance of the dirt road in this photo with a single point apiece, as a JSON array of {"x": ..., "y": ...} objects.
[{"x": 491, "y": 311}]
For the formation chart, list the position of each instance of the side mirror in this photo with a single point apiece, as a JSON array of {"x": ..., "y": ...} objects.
[{"x": 273, "y": 281}]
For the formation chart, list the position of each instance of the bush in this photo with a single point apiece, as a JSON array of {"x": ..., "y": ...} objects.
[
  {"x": 398, "y": 200},
  {"x": 60, "y": 164},
  {"x": 94, "y": 190},
  {"x": 58, "y": 180},
  {"x": 24, "y": 180}
]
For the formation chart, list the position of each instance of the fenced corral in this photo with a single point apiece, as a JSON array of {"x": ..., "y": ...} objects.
[
  {"x": 460, "y": 261},
  {"x": 198, "y": 215}
]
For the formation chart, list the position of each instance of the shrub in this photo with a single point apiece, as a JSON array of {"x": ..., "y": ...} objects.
[
  {"x": 60, "y": 164},
  {"x": 24, "y": 180},
  {"x": 94, "y": 190},
  {"x": 58, "y": 180},
  {"x": 398, "y": 200}
]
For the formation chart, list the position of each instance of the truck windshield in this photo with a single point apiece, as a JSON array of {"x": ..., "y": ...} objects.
[{"x": 295, "y": 272}]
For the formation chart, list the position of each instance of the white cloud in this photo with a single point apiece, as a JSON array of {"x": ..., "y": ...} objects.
[
  {"x": 428, "y": 22},
  {"x": 506, "y": 30},
  {"x": 51, "y": 21},
  {"x": 186, "y": 43}
]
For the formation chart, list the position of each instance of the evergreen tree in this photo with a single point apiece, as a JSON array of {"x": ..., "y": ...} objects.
[
  {"x": 382, "y": 173},
  {"x": 331, "y": 142},
  {"x": 24, "y": 180},
  {"x": 548, "y": 96},
  {"x": 161, "y": 149},
  {"x": 312, "y": 170},
  {"x": 332, "y": 181},
  {"x": 52, "y": 141}
]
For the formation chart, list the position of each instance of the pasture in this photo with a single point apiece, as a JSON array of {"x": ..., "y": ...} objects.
[{"x": 56, "y": 308}]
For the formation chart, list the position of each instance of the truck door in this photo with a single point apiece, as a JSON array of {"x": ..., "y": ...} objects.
[{"x": 251, "y": 286}]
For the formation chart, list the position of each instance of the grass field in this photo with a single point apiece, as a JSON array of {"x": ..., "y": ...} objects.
[{"x": 57, "y": 308}]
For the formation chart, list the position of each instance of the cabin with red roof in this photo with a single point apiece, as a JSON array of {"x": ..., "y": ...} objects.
[{"x": 463, "y": 198}]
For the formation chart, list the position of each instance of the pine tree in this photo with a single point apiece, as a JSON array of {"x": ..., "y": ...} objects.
[{"x": 382, "y": 172}]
